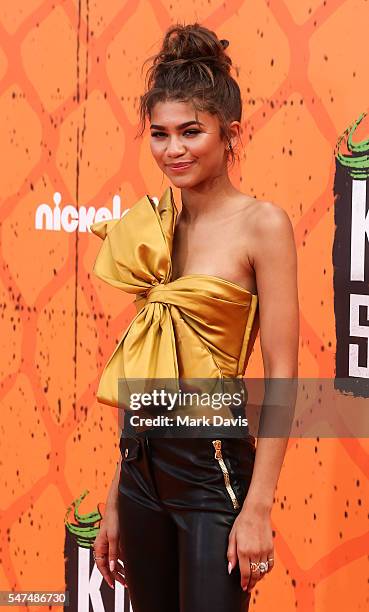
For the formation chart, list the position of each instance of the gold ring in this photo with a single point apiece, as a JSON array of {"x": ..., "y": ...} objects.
[{"x": 254, "y": 566}]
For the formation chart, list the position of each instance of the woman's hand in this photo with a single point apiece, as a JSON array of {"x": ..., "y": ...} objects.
[
  {"x": 107, "y": 549},
  {"x": 250, "y": 540}
]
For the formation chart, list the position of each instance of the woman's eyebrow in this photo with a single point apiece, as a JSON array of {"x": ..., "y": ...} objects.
[{"x": 179, "y": 127}]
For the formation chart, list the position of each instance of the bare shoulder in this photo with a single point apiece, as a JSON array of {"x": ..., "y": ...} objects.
[
  {"x": 264, "y": 214},
  {"x": 266, "y": 225}
]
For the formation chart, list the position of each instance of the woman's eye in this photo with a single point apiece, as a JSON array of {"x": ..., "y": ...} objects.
[{"x": 157, "y": 134}]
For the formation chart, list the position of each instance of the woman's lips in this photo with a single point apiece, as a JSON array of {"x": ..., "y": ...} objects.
[{"x": 183, "y": 166}]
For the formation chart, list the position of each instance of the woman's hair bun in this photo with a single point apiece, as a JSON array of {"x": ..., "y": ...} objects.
[{"x": 193, "y": 43}]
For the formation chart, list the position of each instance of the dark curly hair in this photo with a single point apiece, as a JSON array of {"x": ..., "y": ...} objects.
[{"x": 192, "y": 66}]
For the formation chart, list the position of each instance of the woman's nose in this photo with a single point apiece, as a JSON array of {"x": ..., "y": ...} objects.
[{"x": 175, "y": 146}]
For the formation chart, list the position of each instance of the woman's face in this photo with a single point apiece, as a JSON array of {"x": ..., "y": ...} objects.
[{"x": 186, "y": 151}]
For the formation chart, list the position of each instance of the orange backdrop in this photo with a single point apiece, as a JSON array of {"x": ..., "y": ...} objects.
[{"x": 69, "y": 86}]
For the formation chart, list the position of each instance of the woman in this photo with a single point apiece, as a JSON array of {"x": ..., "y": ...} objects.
[{"x": 190, "y": 518}]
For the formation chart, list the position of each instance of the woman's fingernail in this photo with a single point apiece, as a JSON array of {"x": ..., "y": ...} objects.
[
  {"x": 112, "y": 586},
  {"x": 111, "y": 565},
  {"x": 229, "y": 567}
]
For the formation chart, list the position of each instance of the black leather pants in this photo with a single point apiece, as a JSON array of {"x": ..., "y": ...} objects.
[{"x": 176, "y": 510}]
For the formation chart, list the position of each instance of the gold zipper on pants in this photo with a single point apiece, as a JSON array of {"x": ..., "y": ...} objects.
[{"x": 218, "y": 455}]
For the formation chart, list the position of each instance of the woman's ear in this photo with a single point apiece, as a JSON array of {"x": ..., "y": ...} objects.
[{"x": 235, "y": 128}]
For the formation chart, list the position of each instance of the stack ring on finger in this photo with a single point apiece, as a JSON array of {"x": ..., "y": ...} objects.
[
  {"x": 263, "y": 566},
  {"x": 103, "y": 557}
]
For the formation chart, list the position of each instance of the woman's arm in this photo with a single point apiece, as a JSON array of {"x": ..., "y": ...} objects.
[
  {"x": 112, "y": 498},
  {"x": 275, "y": 264},
  {"x": 107, "y": 543}
]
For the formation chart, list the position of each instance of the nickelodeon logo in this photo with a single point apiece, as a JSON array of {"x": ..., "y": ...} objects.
[{"x": 70, "y": 218}]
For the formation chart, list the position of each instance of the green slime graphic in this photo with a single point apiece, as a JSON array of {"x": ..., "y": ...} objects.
[
  {"x": 358, "y": 162},
  {"x": 85, "y": 530}
]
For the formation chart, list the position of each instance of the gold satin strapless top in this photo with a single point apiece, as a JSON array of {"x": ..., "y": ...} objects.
[{"x": 196, "y": 326}]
